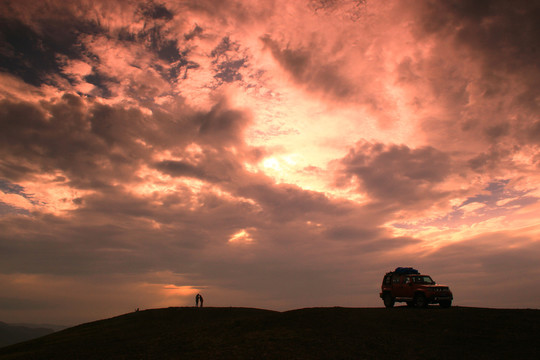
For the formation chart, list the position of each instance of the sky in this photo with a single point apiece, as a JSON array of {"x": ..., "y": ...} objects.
[{"x": 274, "y": 154}]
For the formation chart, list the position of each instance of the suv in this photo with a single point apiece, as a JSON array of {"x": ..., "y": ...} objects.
[{"x": 408, "y": 285}]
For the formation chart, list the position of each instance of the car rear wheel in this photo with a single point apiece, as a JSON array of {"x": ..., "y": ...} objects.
[
  {"x": 388, "y": 300},
  {"x": 420, "y": 301}
]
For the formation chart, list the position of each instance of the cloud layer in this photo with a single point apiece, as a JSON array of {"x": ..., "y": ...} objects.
[{"x": 267, "y": 154}]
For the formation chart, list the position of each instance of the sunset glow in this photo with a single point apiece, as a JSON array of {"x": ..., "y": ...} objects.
[{"x": 273, "y": 154}]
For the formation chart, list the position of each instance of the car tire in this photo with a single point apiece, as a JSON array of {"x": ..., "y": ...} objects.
[
  {"x": 445, "y": 304},
  {"x": 420, "y": 301},
  {"x": 388, "y": 301}
]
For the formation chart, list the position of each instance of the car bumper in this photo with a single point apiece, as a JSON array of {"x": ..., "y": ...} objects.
[{"x": 437, "y": 298}]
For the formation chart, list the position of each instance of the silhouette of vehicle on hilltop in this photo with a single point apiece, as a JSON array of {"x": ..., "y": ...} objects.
[{"x": 406, "y": 284}]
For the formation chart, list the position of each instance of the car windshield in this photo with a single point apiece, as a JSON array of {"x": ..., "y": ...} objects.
[{"x": 423, "y": 280}]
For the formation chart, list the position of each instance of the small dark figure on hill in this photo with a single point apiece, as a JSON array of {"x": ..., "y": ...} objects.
[{"x": 198, "y": 299}]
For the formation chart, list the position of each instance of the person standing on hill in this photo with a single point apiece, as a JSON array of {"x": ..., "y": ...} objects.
[
  {"x": 201, "y": 299},
  {"x": 197, "y": 297}
]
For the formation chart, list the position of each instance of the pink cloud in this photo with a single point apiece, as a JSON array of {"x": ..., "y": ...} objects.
[{"x": 271, "y": 154}]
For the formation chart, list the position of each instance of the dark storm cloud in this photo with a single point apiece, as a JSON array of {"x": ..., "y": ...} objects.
[
  {"x": 275, "y": 201},
  {"x": 23, "y": 53},
  {"x": 383, "y": 245},
  {"x": 348, "y": 232},
  {"x": 169, "y": 51},
  {"x": 35, "y": 45},
  {"x": 197, "y": 31},
  {"x": 308, "y": 67},
  {"x": 211, "y": 166},
  {"x": 157, "y": 39},
  {"x": 112, "y": 233},
  {"x": 64, "y": 135},
  {"x": 488, "y": 160},
  {"x": 102, "y": 82},
  {"x": 228, "y": 60},
  {"x": 68, "y": 249},
  {"x": 222, "y": 126},
  {"x": 180, "y": 168},
  {"x": 499, "y": 39},
  {"x": 8, "y": 188},
  {"x": 233, "y": 11},
  {"x": 32, "y": 51},
  {"x": 397, "y": 174},
  {"x": 96, "y": 145},
  {"x": 505, "y": 34},
  {"x": 288, "y": 202},
  {"x": 9, "y": 209},
  {"x": 224, "y": 47},
  {"x": 156, "y": 11},
  {"x": 227, "y": 71}
]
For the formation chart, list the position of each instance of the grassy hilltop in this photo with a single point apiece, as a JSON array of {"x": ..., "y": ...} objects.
[{"x": 314, "y": 333}]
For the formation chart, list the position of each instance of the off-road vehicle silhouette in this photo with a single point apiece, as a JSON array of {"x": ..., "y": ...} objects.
[{"x": 406, "y": 284}]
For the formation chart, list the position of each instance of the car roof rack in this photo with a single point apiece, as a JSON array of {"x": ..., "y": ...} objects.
[{"x": 406, "y": 271}]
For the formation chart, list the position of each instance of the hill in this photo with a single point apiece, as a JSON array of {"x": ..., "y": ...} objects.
[
  {"x": 313, "y": 333},
  {"x": 12, "y": 334},
  {"x": 53, "y": 327}
]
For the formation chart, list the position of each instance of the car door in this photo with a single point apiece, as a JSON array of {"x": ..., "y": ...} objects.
[
  {"x": 399, "y": 286},
  {"x": 408, "y": 288}
]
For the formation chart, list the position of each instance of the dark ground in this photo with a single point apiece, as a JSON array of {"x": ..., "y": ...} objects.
[{"x": 314, "y": 333}]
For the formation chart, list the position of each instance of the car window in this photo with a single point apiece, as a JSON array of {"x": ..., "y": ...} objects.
[{"x": 423, "y": 280}]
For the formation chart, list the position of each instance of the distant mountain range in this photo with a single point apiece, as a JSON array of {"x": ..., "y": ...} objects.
[
  {"x": 15, "y": 333},
  {"x": 54, "y": 327},
  {"x": 313, "y": 333}
]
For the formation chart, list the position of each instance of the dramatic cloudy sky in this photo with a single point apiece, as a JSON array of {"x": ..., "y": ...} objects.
[{"x": 276, "y": 154}]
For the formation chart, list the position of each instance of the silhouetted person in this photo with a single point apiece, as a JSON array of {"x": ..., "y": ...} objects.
[
  {"x": 197, "y": 297},
  {"x": 201, "y": 299}
]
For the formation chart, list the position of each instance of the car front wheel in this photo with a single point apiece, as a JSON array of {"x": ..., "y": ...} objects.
[{"x": 388, "y": 301}]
